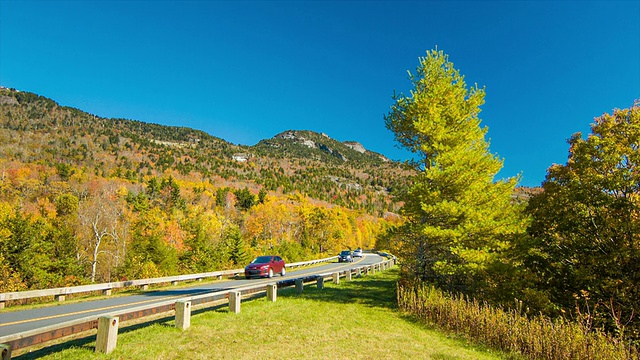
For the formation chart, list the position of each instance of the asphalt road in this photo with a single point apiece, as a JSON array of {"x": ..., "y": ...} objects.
[{"x": 12, "y": 322}]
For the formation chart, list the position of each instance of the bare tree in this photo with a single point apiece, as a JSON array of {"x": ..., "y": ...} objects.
[{"x": 103, "y": 227}]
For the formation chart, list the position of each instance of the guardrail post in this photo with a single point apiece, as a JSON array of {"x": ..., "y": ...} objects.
[
  {"x": 234, "y": 301},
  {"x": 373, "y": 269},
  {"x": 299, "y": 286},
  {"x": 320, "y": 282},
  {"x": 145, "y": 287},
  {"x": 59, "y": 298},
  {"x": 358, "y": 272},
  {"x": 348, "y": 278},
  {"x": 272, "y": 292},
  {"x": 174, "y": 283},
  {"x": 183, "y": 314},
  {"x": 336, "y": 278},
  {"x": 106, "y": 292},
  {"x": 107, "y": 334},
  {"x": 1, "y": 304},
  {"x": 5, "y": 352}
]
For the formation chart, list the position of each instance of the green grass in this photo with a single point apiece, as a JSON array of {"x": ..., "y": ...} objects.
[{"x": 351, "y": 320}]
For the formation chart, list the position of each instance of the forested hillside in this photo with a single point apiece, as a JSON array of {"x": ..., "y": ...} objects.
[
  {"x": 37, "y": 129},
  {"x": 85, "y": 198}
]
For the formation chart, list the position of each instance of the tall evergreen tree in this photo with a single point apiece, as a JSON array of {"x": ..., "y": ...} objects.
[{"x": 459, "y": 219}]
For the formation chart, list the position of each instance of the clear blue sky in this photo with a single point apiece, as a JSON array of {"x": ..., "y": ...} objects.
[{"x": 245, "y": 71}]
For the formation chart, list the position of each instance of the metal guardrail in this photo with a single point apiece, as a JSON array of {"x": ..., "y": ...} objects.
[
  {"x": 73, "y": 327},
  {"x": 60, "y": 293}
]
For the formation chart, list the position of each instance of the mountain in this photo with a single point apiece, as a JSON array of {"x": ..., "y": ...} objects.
[{"x": 37, "y": 130}]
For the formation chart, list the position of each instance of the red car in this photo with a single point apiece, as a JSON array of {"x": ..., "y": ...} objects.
[{"x": 265, "y": 266}]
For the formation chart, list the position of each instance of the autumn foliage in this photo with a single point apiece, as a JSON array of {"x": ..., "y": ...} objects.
[{"x": 86, "y": 199}]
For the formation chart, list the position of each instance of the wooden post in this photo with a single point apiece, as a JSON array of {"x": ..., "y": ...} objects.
[
  {"x": 2, "y": 304},
  {"x": 234, "y": 301},
  {"x": 320, "y": 282},
  {"x": 348, "y": 278},
  {"x": 358, "y": 272},
  {"x": 106, "y": 292},
  {"x": 5, "y": 352},
  {"x": 299, "y": 286},
  {"x": 174, "y": 283},
  {"x": 59, "y": 298},
  {"x": 336, "y": 278},
  {"x": 272, "y": 292},
  {"x": 183, "y": 314},
  {"x": 107, "y": 336},
  {"x": 145, "y": 287}
]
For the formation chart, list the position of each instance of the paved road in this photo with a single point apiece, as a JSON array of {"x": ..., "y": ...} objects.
[{"x": 12, "y": 322}]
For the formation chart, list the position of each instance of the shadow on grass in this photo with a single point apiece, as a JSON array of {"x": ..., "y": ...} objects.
[{"x": 377, "y": 291}]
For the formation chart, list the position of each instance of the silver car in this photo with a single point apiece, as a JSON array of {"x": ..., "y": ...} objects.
[{"x": 357, "y": 253}]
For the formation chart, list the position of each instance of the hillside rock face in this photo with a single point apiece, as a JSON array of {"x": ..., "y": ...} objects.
[
  {"x": 355, "y": 146},
  {"x": 321, "y": 142}
]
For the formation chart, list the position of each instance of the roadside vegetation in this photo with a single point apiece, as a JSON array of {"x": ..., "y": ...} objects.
[
  {"x": 510, "y": 330},
  {"x": 350, "y": 320},
  {"x": 570, "y": 253}
]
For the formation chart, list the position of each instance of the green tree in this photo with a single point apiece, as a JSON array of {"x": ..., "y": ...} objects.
[
  {"x": 245, "y": 198},
  {"x": 460, "y": 221},
  {"x": 236, "y": 245},
  {"x": 221, "y": 196},
  {"x": 262, "y": 194},
  {"x": 585, "y": 234}
]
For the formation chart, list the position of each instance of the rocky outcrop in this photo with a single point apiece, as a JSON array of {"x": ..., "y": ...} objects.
[{"x": 355, "y": 146}]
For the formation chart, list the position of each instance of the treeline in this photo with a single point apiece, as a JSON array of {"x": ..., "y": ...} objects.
[
  {"x": 63, "y": 226},
  {"x": 572, "y": 251}
]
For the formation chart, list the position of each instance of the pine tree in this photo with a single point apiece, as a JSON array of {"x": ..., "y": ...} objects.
[{"x": 459, "y": 219}]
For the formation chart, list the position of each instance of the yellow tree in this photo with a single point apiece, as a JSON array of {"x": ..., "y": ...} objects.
[{"x": 459, "y": 220}]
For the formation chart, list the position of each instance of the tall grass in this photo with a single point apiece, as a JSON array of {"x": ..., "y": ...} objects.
[{"x": 532, "y": 337}]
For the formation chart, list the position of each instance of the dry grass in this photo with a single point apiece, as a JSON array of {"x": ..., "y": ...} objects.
[{"x": 535, "y": 338}]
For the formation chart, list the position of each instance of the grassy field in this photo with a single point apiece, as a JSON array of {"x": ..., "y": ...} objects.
[{"x": 351, "y": 320}]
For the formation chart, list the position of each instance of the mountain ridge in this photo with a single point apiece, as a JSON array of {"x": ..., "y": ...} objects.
[{"x": 314, "y": 164}]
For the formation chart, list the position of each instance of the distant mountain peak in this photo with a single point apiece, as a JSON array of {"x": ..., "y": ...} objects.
[{"x": 324, "y": 142}]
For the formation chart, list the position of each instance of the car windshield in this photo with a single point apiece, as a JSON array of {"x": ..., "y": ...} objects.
[
  {"x": 345, "y": 253},
  {"x": 261, "y": 260}
]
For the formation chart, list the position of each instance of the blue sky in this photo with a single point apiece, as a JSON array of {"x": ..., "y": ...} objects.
[{"x": 245, "y": 71}]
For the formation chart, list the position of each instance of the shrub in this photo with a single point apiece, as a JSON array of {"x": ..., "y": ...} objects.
[{"x": 536, "y": 337}]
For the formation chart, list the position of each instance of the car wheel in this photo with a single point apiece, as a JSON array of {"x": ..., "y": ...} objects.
[
  {"x": 270, "y": 273},
  {"x": 283, "y": 272}
]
